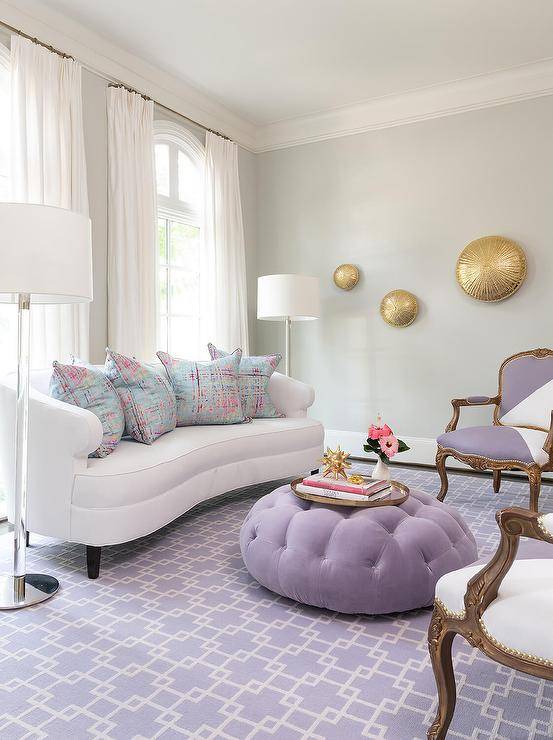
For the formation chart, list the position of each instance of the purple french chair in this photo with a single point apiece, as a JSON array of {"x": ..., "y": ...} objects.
[{"x": 521, "y": 436}]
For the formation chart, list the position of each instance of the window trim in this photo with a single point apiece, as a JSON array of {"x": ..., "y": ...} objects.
[{"x": 172, "y": 133}]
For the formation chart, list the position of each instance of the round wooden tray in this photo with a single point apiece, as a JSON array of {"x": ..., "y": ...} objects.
[{"x": 398, "y": 494}]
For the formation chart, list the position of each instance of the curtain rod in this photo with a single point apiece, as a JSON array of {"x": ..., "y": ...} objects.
[{"x": 112, "y": 82}]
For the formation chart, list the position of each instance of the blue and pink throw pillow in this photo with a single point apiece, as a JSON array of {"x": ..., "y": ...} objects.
[
  {"x": 206, "y": 392},
  {"x": 254, "y": 374},
  {"x": 87, "y": 387},
  {"x": 146, "y": 397}
]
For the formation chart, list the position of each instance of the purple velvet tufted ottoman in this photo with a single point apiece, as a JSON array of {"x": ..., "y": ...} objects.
[{"x": 356, "y": 561}]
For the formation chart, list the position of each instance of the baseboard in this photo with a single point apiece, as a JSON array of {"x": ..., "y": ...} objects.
[{"x": 422, "y": 451}]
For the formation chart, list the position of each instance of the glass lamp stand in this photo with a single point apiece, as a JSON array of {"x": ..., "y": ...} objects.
[
  {"x": 288, "y": 323},
  {"x": 23, "y": 589}
]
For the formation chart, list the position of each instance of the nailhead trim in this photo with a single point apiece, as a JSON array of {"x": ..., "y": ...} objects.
[
  {"x": 547, "y": 532},
  {"x": 513, "y": 651},
  {"x": 448, "y": 612},
  {"x": 497, "y": 643}
]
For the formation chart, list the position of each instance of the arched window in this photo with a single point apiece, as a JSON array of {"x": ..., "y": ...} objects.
[{"x": 179, "y": 160}]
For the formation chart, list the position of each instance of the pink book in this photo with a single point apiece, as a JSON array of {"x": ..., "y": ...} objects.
[{"x": 364, "y": 489}]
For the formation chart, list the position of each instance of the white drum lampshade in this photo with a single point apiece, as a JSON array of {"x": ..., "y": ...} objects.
[
  {"x": 46, "y": 252},
  {"x": 288, "y": 298},
  {"x": 45, "y": 257},
  {"x": 294, "y": 297}
]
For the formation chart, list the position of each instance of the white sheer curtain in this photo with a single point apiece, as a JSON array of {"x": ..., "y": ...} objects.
[
  {"x": 131, "y": 224},
  {"x": 49, "y": 166},
  {"x": 223, "y": 239}
]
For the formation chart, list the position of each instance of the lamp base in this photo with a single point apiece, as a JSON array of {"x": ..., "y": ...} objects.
[{"x": 38, "y": 587}]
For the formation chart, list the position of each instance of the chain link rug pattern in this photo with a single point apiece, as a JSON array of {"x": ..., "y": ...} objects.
[{"x": 176, "y": 640}]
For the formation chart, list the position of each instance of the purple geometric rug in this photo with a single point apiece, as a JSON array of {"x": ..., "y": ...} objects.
[{"x": 176, "y": 640}]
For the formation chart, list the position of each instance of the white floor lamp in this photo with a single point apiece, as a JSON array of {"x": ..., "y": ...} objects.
[
  {"x": 289, "y": 298},
  {"x": 45, "y": 257}
]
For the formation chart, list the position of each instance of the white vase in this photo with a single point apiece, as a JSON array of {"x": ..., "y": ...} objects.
[{"x": 381, "y": 471}]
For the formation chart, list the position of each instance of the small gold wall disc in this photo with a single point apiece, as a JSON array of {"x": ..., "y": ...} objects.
[
  {"x": 346, "y": 277},
  {"x": 399, "y": 308}
]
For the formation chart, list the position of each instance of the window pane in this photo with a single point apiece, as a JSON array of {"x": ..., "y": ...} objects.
[
  {"x": 162, "y": 169},
  {"x": 162, "y": 334},
  {"x": 189, "y": 180},
  {"x": 162, "y": 240},
  {"x": 185, "y": 293},
  {"x": 184, "y": 337},
  {"x": 162, "y": 290},
  {"x": 185, "y": 243}
]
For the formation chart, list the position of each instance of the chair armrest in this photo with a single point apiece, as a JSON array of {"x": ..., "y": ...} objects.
[
  {"x": 61, "y": 437},
  {"x": 548, "y": 444},
  {"x": 513, "y": 523},
  {"x": 457, "y": 403},
  {"x": 291, "y": 397}
]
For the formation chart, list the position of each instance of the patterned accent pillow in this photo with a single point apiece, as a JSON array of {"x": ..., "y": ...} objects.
[
  {"x": 146, "y": 396},
  {"x": 87, "y": 387},
  {"x": 254, "y": 374},
  {"x": 207, "y": 392}
]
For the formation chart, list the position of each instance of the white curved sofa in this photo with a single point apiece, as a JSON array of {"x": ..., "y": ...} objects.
[{"x": 140, "y": 488}]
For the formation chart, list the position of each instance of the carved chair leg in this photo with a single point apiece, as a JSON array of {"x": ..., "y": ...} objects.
[
  {"x": 535, "y": 487},
  {"x": 440, "y": 642},
  {"x": 496, "y": 480},
  {"x": 440, "y": 465}
]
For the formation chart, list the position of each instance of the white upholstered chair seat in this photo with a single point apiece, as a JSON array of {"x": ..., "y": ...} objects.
[
  {"x": 521, "y": 617},
  {"x": 135, "y": 472}
]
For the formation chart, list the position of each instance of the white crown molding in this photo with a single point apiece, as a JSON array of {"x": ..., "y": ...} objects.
[
  {"x": 460, "y": 96},
  {"x": 483, "y": 91},
  {"x": 99, "y": 55}
]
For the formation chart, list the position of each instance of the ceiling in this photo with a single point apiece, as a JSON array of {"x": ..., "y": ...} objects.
[{"x": 269, "y": 61}]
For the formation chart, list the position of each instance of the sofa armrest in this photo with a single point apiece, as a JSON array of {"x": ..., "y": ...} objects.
[
  {"x": 61, "y": 437},
  {"x": 291, "y": 397}
]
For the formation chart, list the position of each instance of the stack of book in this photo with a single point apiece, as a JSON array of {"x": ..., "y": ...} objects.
[{"x": 318, "y": 485}]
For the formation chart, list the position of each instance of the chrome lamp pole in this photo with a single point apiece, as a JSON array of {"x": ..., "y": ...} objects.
[{"x": 42, "y": 264}]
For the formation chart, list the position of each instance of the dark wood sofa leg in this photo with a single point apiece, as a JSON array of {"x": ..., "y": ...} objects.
[
  {"x": 496, "y": 480},
  {"x": 93, "y": 555},
  {"x": 27, "y": 538}
]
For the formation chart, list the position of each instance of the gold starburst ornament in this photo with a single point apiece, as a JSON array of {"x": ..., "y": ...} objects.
[
  {"x": 335, "y": 463},
  {"x": 491, "y": 268}
]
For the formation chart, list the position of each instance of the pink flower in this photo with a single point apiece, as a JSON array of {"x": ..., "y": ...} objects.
[
  {"x": 389, "y": 445},
  {"x": 378, "y": 432}
]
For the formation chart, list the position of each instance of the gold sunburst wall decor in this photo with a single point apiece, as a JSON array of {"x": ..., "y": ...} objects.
[
  {"x": 399, "y": 308},
  {"x": 491, "y": 268},
  {"x": 346, "y": 277}
]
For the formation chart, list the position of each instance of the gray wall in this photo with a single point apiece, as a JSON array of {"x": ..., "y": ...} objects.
[
  {"x": 95, "y": 133},
  {"x": 401, "y": 204}
]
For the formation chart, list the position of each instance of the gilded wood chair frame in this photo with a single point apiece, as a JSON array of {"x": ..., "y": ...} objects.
[
  {"x": 479, "y": 462},
  {"x": 481, "y": 591}
]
